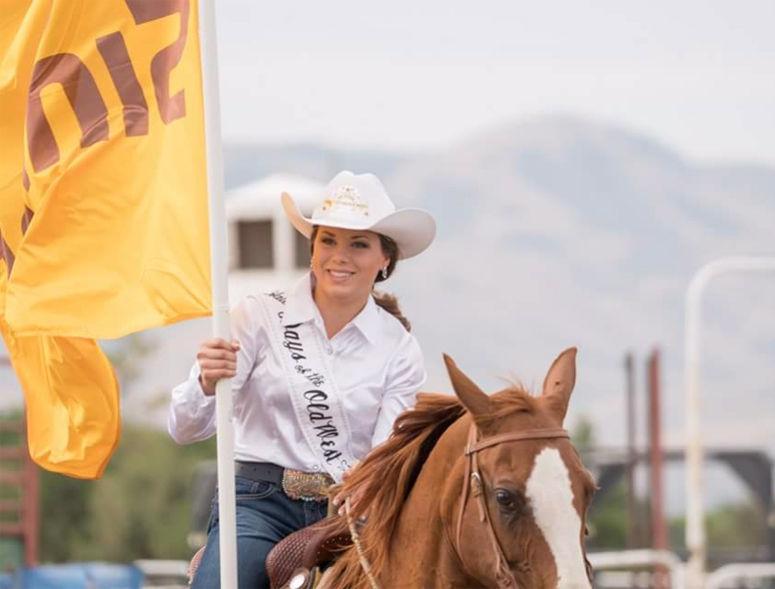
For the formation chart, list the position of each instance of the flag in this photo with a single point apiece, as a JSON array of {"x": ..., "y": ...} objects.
[
  {"x": 103, "y": 203},
  {"x": 71, "y": 396}
]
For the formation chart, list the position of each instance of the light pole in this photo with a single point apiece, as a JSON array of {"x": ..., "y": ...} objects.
[{"x": 695, "y": 531}]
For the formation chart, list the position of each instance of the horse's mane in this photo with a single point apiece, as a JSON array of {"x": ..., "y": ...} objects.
[{"x": 383, "y": 480}]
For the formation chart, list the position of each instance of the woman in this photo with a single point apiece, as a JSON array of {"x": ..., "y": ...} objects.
[{"x": 318, "y": 374}]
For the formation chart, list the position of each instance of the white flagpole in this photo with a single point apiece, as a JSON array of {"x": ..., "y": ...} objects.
[{"x": 227, "y": 505}]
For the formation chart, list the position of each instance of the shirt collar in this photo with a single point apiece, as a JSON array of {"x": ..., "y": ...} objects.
[
  {"x": 368, "y": 320},
  {"x": 301, "y": 308}
]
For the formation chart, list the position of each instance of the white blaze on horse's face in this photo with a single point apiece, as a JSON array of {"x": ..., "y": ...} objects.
[{"x": 550, "y": 494}]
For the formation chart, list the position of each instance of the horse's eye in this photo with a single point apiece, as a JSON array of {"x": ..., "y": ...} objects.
[{"x": 506, "y": 499}]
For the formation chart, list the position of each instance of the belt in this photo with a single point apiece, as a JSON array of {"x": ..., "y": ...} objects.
[
  {"x": 296, "y": 484},
  {"x": 259, "y": 471}
]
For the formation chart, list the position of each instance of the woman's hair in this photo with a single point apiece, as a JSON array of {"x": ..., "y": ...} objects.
[{"x": 385, "y": 300}]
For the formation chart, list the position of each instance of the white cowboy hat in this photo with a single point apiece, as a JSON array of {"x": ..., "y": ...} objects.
[{"x": 359, "y": 201}]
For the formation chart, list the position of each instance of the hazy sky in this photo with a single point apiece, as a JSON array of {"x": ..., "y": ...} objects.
[{"x": 698, "y": 75}]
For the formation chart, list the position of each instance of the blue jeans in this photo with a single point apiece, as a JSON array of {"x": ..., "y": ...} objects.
[{"x": 265, "y": 515}]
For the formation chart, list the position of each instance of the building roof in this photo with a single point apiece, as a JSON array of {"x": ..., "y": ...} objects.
[{"x": 261, "y": 199}]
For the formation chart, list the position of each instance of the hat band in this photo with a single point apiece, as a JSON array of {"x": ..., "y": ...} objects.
[{"x": 345, "y": 221}]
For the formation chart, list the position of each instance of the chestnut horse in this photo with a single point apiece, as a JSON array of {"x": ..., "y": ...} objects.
[{"x": 484, "y": 491}]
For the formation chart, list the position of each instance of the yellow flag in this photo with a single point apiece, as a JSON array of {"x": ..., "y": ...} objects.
[
  {"x": 71, "y": 395},
  {"x": 103, "y": 223},
  {"x": 110, "y": 93}
]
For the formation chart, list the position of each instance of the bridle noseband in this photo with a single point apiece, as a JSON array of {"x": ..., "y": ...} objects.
[{"x": 473, "y": 482}]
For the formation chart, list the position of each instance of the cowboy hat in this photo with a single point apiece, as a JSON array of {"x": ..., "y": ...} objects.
[{"x": 359, "y": 201}]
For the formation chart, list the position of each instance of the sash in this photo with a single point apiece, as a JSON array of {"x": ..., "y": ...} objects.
[{"x": 314, "y": 395}]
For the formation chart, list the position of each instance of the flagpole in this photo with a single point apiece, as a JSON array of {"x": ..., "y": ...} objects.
[{"x": 218, "y": 262}]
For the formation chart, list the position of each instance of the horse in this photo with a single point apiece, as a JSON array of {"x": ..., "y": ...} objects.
[{"x": 471, "y": 491}]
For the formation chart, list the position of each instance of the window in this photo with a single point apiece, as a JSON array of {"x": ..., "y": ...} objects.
[
  {"x": 255, "y": 244},
  {"x": 301, "y": 247}
]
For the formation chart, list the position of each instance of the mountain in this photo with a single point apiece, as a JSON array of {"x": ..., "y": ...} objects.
[
  {"x": 554, "y": 232},
  {"x": 561, "y": 231}
]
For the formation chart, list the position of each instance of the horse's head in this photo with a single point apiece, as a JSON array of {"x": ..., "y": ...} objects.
[{"x": 520, "y": 519}]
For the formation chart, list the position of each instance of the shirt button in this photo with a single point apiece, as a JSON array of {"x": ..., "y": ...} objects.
[{"x": 316, "y": 468}]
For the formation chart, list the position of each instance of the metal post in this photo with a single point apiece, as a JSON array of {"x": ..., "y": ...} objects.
[
  {"x": 658, "y": 530},
  {"x": 656, "y": 471},
  {"x": 30, "y": 501},
  {"x": 695, "y": 531},
  {"x": 633, "y": 534}
]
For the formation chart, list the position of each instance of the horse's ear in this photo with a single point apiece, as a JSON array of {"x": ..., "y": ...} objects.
[
  {"x": 559, "y": 383},
  {"x": 473, "y": 398}
]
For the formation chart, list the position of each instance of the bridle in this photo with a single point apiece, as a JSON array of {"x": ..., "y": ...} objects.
[
  {"x": 473, "y": 481},
  {"x": 474, "y": 485}
]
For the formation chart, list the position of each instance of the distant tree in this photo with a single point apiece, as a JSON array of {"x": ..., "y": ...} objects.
[
  {"x": 11, "y": 548},
  {"x": 735, "y": 525},
  {"x": 8, "y": 436},
  {"x": 583, "y": 434},
  {"x": 608, "y": 521},
  {"x": 65, "y": 516},
  {"x": 140, "y": 508}
]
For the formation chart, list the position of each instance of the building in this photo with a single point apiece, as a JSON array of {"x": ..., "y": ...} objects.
[{"x": 264, "y": 249}]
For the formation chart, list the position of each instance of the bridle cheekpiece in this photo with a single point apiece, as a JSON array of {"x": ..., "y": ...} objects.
[{"x": 474, "y": 484}]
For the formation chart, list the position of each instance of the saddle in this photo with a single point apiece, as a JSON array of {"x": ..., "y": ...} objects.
[
  {"x": 292, "y": 562},
  {"x": 295, "y": 558}
]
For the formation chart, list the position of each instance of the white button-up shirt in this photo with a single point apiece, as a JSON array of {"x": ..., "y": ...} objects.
[{"x": 377, "y": 364}]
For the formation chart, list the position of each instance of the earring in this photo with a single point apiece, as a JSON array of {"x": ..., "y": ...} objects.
[{"x": 384, "y": 273}]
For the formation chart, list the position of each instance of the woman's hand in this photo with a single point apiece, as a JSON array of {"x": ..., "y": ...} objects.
[{"x": 217, "y": 359}]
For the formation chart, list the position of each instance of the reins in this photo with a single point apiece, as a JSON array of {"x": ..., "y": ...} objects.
[
  {"x": 473, "y": 483},
  {"x": 356, "y": 537}
]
